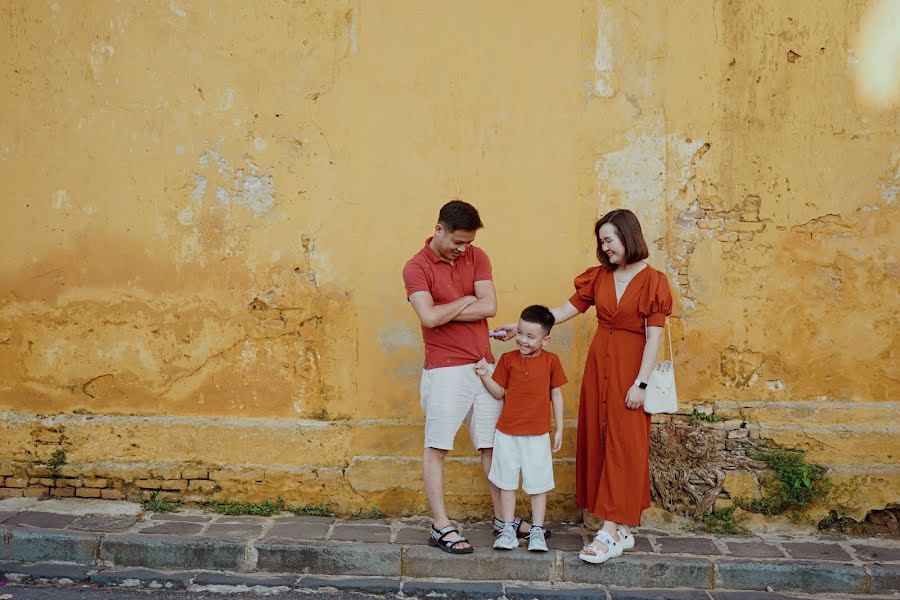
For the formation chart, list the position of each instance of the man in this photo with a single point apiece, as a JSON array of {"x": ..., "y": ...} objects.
[{"x": 449, "y": 285}]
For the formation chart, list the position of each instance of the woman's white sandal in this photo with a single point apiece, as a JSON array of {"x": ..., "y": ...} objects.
[
  {"x": 627, "y": 541},
  {"x": 597, "y": 556}
]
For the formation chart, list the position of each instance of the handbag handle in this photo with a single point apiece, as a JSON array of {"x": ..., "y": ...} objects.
[{"x": 668, "y": 334}]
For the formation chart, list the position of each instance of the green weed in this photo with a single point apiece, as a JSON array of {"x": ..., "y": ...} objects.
[
  {"x": 697, "y": 416},
  {"x": 266, "y": 508},
  {"x": 795, "y": 485},
  {"x": 721, "y": 521},
  {"x": 57, "y": 459},
  {"x": 372, "y": 513},
  {"x": 159, "y": 505}
]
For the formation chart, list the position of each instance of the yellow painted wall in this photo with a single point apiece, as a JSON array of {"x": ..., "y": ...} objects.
[{"x": 206, "y": 207}]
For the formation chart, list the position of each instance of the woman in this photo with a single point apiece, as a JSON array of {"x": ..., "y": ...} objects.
[{"x": 612, "y": 461}]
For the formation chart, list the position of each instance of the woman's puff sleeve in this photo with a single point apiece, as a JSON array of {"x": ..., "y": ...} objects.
[
  {"x": 656, "y": 303},
  {"x": 583, "y": 298}
]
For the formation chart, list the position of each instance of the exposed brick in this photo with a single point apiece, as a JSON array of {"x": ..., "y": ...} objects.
[
  {"x": 48, "y": 437},
  {"x": 39, "y": 471},
  {"x": 744, "y": 226},
  {"x": 95, "y": 483},
  {"x": 11, "y": 492},
  {"x": 682, "y": 280},
  {"x": 147, "y": 495},
  {"x": 147, "y": 484},
  {"x": 45, "y": 481},
  {"x": 16, "y": 482},
  {"x": 709, "y": 223},
  {"x": 737, "y": 434},
  {"x": 36, "y": 491},
  {"x": 63, "y": 492},
  {"x": 72, "y": 471},
  {"x": 202, "y": 485},
  {"x": 69, "y": 483},
  {"x": 87, "y": 493},
  {"x": 727, "y": 236},
  {"x": 7, "y": 471},
  {"x": 194, "y": 474},
  {"x": 174, "y": 485},
  {"x": 166, "y": 473},
  {"x": 2, "y": 481},
  {"x": 112, "y": 494},
  {"x": 749, "y": 216}
]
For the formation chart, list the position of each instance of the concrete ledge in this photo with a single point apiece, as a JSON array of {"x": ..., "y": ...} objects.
[
  {"x": 483, "y": 564},
  {"x": 557, "y": 593},
  {"x": 46, "y": 571},
  {"x": 45, "y": 545},
  {"x": 466, "y": 590},
  {"x": 249, "y": 580},
  {"x": 381, "y": 560},
  {"x": 884, "y": 579},
  {"x": 370, "y": 585},
  {"x": 797, "y": 576},
  {"x": 145, "y": 577},
  {"x": 172, "y": 552},
  {"x": 642, "y": 571}
]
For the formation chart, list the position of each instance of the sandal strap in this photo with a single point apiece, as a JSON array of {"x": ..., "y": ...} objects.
[
  {"x": 605, "y": 539},
  {"x": 498, "y": 522},
  {"x": 440, "y": 534}
]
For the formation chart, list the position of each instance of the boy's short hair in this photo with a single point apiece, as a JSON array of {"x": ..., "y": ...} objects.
[
  {"x": 457, "y": 214},
  {"x": 539, "y": 315}
]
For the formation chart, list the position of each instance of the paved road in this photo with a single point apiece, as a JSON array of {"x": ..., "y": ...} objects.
[{"x": 20, "y": 592}]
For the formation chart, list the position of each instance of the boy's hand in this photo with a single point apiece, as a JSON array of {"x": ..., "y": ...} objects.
[
  {"x": 557, "y": 440},
  {"x": 481, "y": 368}
]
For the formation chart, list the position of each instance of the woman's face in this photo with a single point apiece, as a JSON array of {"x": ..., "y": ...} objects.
[{"x": 608, "y": 236}]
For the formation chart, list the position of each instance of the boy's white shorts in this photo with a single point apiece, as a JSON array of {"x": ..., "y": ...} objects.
[
  {"x": 451, "y": 396},
  {"x": 529, "y": 453}
]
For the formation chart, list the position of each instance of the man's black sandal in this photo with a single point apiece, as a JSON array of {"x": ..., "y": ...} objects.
[
  {"x": 437, "y": 540},
  {"x": 519, "y": 533}
]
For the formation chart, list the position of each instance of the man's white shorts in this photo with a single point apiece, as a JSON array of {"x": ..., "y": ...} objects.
[
  {"x": 452, "y": 396},
  {"x": 527, "y": 453}
]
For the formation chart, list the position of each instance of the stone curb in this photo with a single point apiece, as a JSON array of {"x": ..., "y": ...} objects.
[
  {"x": 262, "y": 558},
  {"x": 64, "y": 574}
]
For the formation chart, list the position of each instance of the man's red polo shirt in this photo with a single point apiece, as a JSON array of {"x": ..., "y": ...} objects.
[{"x": 457, "y": 342}]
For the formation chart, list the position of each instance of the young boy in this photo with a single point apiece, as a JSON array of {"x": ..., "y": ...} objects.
[{"x": 530, "y": 379}]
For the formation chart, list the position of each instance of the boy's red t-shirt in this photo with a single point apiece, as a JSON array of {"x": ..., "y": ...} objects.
[{"x": 528, "y": 381}]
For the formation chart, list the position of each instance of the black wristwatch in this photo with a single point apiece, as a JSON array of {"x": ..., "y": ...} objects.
[{"x": 641, "y": 384}]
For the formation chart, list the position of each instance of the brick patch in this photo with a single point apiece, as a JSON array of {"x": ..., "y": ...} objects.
[
  {"x": 102, "y": 523},
  {"x": 361, "y": 533},
  {"x": 298, "y": 531},
  {"x": 180, "y": 518},
  {"x": 877, "y": 553},
  {"x": 173, "y": 529},
  {"x": 411, "y": 535},
  {"x": 754, "y": 549},
  {"x": 815, "y": 551},
  {"x": 41, "y": 519},
  {"x": 688, "y": 545},
  {"x": 233, "y": 531}
]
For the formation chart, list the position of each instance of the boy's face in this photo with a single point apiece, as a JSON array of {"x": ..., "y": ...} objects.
[{"x": 530, "y": 338}]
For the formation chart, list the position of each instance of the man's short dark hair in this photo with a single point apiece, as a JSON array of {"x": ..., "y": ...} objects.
[
  {"x": 539, "y": 315},
  {"x": 457, "y": 214}
]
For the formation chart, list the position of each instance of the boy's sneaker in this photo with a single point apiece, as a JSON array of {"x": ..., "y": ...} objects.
[
  {"x": 536, "y": 541},
  {"x": 507, "y": 539}
]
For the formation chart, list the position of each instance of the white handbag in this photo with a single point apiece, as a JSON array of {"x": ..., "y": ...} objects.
[{"x": 661, "y": 396}]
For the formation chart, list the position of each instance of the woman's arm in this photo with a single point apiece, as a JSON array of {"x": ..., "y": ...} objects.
[
  {"x": 561, "y": 313},
  {"x": 634, "y": 398}
]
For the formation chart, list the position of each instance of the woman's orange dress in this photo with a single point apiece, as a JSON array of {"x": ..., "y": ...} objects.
[{"x": 612, "y": 459}]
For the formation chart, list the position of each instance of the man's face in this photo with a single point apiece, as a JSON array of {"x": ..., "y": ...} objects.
[{"x": 450, "y": 245}]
